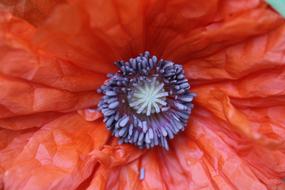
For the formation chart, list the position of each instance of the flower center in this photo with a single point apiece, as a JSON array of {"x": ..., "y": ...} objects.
[
  {"x": 148, "y": 97},
  {"x": 147, "y": 101}
]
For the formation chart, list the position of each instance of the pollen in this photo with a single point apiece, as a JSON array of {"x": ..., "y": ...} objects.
[{"x": 147, "y": 102}]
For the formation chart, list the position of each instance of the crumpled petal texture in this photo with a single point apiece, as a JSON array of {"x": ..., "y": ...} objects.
[
  {"x": 55, "y": 54},
  {"x": 57, "y": 156}
]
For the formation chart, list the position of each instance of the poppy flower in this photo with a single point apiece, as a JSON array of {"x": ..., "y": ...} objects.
[{"x": 55, "y": 55}]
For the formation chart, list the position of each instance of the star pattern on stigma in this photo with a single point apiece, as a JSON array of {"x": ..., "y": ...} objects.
[{"x": 147, "y": 102}]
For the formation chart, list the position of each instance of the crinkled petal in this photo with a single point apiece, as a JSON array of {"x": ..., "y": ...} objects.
[
  {"x": 20, "y": 58},
  {"x": 216, "y": 35},
  {"x": 116, "y": 155},
  {"x": 206, "y": 156},
  {"x": 58, "y": 155},
  {"x": 264, "y": 53},
  {"x": 22, "y": 98},
  {"x": 93, "y": 34},
  {"x": 108, "y": 179},
  {"x": 11, "y": 144},
  {"x": 38, "y": 85},
  {"x": 262, "y": 130},
  {"x": 29, "y": 121},
  {"x": 239, "y": 146},
  {"x": 34, "y": 11}
]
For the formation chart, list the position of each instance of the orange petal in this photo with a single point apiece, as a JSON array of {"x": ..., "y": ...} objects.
[
  {"x": 19, "y": 58},
  {"x": 269, "y": 174},
  {"x": 217, "y": 35},
  {"x": 90, "y": 114},
  {"x": 11, "y": 145},
  {"x": 68, "y": 36},
  {"x": 239, "y": 102},
  {"x": 259, "y": 54},
  {"x": 254, "y": 129},
  {"x": 21, "y": 98},
  {"x": 223, "y": 165},
  {"x": 35, "y": 11},
  {"x": 168, "y": 20},
  {"x": 58, "y": 155},
  {"x": 120, "y": 23},
  {"x": 112, "y": 156},
  {"x": 28, "y": 121},
  {"x": 207, "y": 156}
]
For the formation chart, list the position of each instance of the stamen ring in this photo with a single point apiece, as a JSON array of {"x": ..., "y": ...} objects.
[{"x": 147, "y": 101}]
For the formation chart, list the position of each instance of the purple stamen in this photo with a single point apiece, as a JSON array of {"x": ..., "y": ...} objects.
[{"x": 147, "y": 101}]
